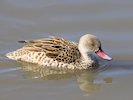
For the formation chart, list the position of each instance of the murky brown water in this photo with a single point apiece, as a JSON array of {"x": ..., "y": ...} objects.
[{"x": 111, "y": 21}]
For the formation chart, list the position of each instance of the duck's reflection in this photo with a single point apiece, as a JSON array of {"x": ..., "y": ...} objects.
[
  {"x": 86, "y": 82},
  {"x": 86, "y": 79}
]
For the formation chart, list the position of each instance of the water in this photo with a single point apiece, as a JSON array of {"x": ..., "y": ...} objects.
[{"x": 111, "y": 21}]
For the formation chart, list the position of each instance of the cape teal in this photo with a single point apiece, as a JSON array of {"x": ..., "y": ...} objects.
[{"x": 60, "y": 53}]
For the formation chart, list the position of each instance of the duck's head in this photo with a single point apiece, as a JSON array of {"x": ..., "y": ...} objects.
[{"x": 89, "y": 44}]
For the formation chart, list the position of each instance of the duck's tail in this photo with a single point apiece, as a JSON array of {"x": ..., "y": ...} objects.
[{"x": 15, "y": 55}]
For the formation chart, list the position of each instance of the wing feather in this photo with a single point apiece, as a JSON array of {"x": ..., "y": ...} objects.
[{"x": 56, "y": 48}]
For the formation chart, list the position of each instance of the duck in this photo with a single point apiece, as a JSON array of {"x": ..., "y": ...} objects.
[{"x": 59, "y": 53}]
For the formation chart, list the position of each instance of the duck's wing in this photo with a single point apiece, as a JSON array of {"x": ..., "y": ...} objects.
[{"x": 56, "y": 48}]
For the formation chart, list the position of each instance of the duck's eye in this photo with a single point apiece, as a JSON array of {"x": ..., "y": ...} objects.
[{"x": 96, "y": 50}]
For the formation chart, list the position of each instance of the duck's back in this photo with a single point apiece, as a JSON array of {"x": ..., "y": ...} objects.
[{"x": 47, "y": 50}]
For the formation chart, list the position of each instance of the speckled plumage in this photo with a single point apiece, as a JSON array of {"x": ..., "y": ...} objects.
[{"x": 53, "y": 52}]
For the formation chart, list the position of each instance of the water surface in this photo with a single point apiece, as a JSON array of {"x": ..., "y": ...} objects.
[{"x": 111, "y": 21}]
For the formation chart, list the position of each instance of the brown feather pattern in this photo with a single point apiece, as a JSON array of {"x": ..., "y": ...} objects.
[{"x": 56, "y": 48}]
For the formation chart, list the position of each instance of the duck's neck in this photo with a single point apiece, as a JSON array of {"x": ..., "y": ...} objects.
[
  {"x": 86, "y": 57},
  {"x": 85, "y": 52}
]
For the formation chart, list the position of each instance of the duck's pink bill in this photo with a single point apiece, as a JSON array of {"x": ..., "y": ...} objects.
[{"x": 103, "y": 55}]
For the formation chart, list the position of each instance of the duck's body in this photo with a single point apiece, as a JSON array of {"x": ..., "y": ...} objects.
[{"x": 58, "y": 53}]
